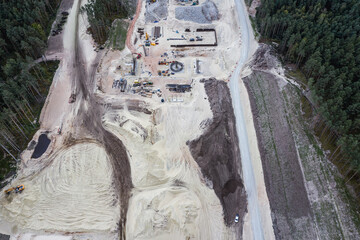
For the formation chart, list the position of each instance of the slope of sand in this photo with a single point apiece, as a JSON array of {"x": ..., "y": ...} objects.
[
  {"x": 73, "y": 194},
  {"x": 263, "y": 200},
  {"x": 170, "y": 198}
]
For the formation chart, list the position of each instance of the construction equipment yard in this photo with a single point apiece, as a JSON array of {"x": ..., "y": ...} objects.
[{"x": 146, "y": 147}]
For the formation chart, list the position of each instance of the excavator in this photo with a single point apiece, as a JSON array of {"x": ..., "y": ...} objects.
[
  {"x": 147, "y": 40},
  {"x": 17, "y": 189}
]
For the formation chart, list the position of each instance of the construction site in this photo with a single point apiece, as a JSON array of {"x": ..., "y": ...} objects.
[
  {"x": 167, "y": 51},
  {"x": 141, "y": 143},
  {"x": 192, "y": 131}
]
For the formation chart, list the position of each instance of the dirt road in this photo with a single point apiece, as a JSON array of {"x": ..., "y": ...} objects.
[
  {"x": 259, "y": 210},
  {"x": 82, "y": 139},
  {"x": 131, "y": 27},
  {"x": 88, "y": 123}
]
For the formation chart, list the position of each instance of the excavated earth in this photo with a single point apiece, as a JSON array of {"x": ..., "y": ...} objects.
[
  {"x": 218, "y": 155},
  {"x": 307, "y": 200},
  {"x": 289, "y": 203}
]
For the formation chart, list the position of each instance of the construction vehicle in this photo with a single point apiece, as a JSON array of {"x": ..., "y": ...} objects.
[
  {"x": 138, "y": 55},
  {"x": 196, "y": 2},
  {"x": 163, "y": 62},
  {"x": 237, "y": 218},
  {"x": 60, "y": 129},
  {"x": 136, "y": 83},
  {"x": 20, "y": 188},
  {"x": 147, "y": 83},
  {"x": 9, "y": 190},
  {"x": 17, "y": 189}
]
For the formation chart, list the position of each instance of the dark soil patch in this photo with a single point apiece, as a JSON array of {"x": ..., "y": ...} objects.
[
  {"x": 218, "y": 155},
  {"x": 4, "y": 237}
]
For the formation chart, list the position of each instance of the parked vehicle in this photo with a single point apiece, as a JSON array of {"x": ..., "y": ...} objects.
[{"x": 237, "y": 218}]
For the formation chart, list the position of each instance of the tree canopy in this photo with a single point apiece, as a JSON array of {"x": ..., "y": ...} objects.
[
  {"x": 323, "y": 38},
  {"x": 24, "y": 26},
  {"x": 101, "y": 14}
]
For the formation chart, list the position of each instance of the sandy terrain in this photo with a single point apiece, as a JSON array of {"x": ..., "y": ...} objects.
[
  {"x": 70, "y": 188},
  {"x": 72, "y": 194},
  {"x": 168, "y": 198},
  {"x": 122, "y": 166},
  {"x": 137, "y": 130}
]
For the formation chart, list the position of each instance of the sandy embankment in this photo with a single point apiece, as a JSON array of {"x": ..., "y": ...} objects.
[
  {"x": 73, "y": 194},
  {"x": 170, "y": 198},
  {"x": 257, "y": 165},
  {"x": 73, "y": 190},
  {"x": 258, "y": 222}
]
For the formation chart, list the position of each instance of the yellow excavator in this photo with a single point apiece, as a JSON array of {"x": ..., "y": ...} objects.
[{"x": 17, "y": 189}]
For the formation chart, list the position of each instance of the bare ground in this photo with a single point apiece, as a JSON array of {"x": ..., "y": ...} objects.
[
  {"x": 217, "y": 153},
  {"x": 88, "y": 124},
  {"x": 289, "y": 203},
  {"x": 305, "y": 199},
  {"x": 55, "y": 43}
]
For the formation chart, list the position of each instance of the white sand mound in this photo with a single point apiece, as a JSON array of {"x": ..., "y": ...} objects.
[
  {"x": 73, "y": 194},
  {"x": 170, "y": 199}
]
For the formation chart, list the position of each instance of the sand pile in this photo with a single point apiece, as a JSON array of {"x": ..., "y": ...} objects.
[
  {"x": 210, "y": 11},
  {"x": 206, "y": 13},
  {"x": 72, "y": 194},
  {"x": 156, "y": 11},
  {"x": 170, "y": 198}
]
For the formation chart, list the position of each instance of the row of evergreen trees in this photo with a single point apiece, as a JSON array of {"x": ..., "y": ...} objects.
[
  {"x": 101, "y": 14},
  {"x": 24, "y": 26},
  {"x": 323, "y": 38}
]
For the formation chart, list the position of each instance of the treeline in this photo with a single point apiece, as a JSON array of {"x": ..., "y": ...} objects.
[
  {"x": 322, "y": 37},
  {"x": 24, "y": 26},
  {"x": 101, "y": 14}
]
